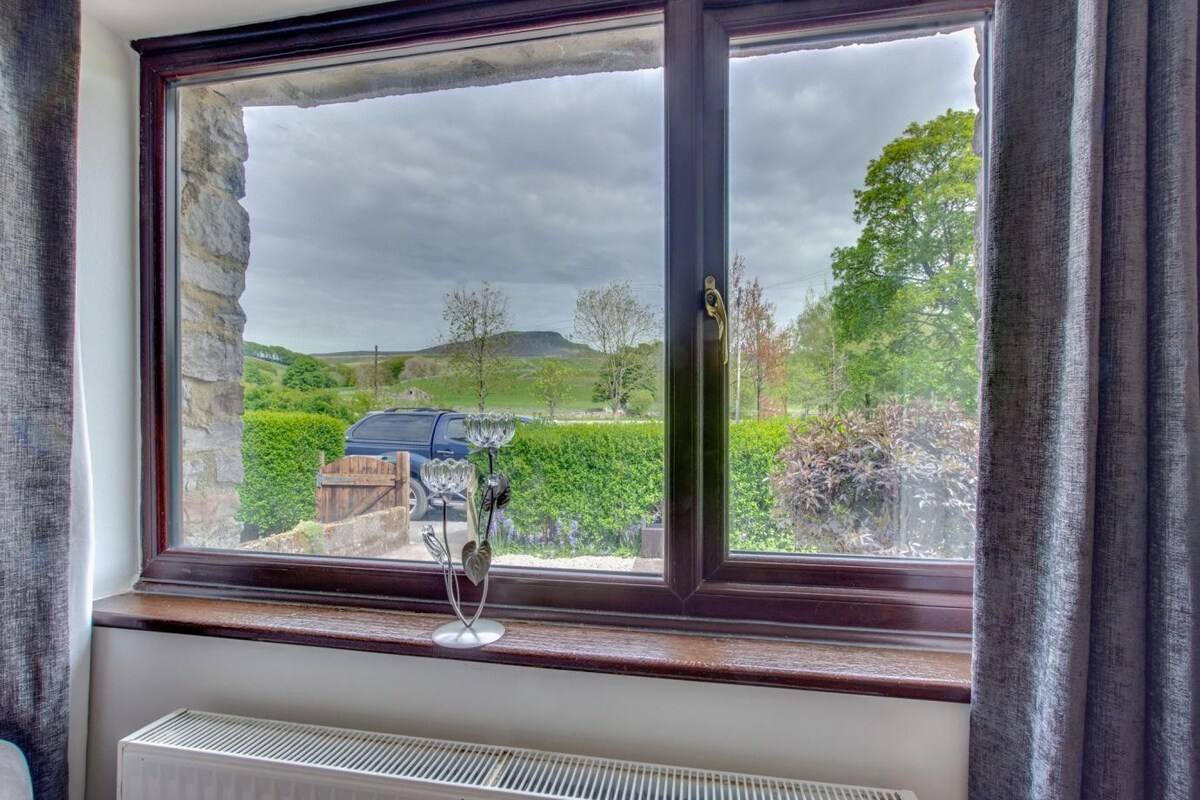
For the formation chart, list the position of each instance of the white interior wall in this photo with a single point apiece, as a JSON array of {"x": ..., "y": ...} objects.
[
  {"x": 106, "y": 301},
  {"x": 138, "y": 676}
]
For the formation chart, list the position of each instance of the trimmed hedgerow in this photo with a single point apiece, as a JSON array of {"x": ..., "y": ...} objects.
[
  {"x": 580, "y": 488},
  {"x": 281, "y": 456},
  {"x": 754, "y": 447}
]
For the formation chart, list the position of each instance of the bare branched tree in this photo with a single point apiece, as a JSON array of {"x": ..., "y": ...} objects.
[
  {"x": 477, "y": 323},
  {"x": 611, "y": 319}
]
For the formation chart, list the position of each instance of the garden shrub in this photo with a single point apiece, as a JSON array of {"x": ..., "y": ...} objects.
[
  {"x": 281, "y": 456},
  {"x": 896, "y": 480}
]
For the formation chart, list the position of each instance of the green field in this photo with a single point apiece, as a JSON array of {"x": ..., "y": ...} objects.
[{"x": 511, "y": 389}]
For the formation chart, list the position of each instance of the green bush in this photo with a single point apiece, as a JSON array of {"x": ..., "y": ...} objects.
[
  {"x": 754, "y": 447},
  {"x": 256, "y": 374},
  {"x": 639, "y": 403},
  {"x": 281, "y": 455},
  {"x": 328, "y": 402}
]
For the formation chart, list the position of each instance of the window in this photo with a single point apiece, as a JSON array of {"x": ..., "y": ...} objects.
[
  {"x": 396, "y": 427},
  {"x": 354, "y": 235},
  {"x": 456, "y": 429}
]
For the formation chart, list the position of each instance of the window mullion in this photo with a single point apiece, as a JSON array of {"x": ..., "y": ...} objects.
[{"x": 695, "y": 147}]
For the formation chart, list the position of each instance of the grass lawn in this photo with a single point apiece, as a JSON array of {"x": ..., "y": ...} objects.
[{"x": 511, "y": 390}]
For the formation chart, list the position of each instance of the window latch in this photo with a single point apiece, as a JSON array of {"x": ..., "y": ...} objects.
[{"x": 714, "y": 306}]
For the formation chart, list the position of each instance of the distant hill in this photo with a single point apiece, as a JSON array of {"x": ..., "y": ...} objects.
[
  {"x": 520, "y": 344},
  {"x": 527, "y": 344}
]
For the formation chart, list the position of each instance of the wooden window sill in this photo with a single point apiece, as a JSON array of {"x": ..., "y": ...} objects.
[{"x": 818, "y": 666}]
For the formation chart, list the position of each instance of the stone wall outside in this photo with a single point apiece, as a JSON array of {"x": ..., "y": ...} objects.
[
  {"x": 366, "y": 536},
  {"x": 214, "y": 250}
]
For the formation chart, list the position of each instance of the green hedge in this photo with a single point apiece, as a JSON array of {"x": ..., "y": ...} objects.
[
  {"x": 281, "y": 455},
  {"x": 754, "y": 447},
  {"x": 581, "y": 488}
]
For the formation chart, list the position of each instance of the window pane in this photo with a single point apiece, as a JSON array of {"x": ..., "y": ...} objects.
[
  {"x": 853, "y": 209},
  {"x": 396, "y": 427},
  {"x": 456, "y": 429},
  {"x": 416, "y": 237}
]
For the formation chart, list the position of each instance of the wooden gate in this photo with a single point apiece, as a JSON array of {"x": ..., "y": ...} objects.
[{"x": 359, "y": 484}]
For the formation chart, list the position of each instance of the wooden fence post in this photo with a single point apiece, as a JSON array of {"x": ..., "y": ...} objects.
[{"x": 402, "y": 481}]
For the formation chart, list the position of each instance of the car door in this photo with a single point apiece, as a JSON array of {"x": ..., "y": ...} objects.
[{"x": 450, "y": 438}]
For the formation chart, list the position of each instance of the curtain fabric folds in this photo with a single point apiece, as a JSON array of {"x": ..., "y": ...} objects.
[
  {"x": 39, "y": 75},
  {"x": 1088, "y": 559}
]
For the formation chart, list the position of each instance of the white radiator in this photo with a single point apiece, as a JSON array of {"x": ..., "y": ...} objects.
[{"x": 194, "y": 755}]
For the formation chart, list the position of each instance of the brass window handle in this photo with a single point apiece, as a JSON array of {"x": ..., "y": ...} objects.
[{"x": 714, "y": 306}]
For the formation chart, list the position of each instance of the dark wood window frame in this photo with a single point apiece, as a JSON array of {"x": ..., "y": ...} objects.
[{"x": 703, "y": 587}]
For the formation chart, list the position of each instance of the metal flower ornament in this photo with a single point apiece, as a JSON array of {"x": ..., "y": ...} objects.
[{"x": 445, "y": 478}]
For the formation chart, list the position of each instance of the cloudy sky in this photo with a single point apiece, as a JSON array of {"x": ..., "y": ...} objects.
[{"x": 363, "y": 215}]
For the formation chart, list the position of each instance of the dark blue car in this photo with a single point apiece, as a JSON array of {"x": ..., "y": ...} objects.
[{"x": 423, "y": 433}]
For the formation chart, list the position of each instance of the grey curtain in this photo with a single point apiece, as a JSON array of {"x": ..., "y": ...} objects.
[
  {"x": 1088, "y": 570},
  {"x": 39, "y": 66}
]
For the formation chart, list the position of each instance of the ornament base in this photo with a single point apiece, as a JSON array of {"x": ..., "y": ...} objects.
[{"x": 457, "y": 636}]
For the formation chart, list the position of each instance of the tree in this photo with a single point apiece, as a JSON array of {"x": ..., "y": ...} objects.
[
  {"x": 306, "y": 373},
  {"x": 816, "y": 369},
  {"x": 550, "y": 383},
  {"x": 255, "y": 374},
  {"x": 615, "y": 322},
  {"x": 631, "y": 370},
  {"x": 737, "y": 285},
  {"x": 393, "y": 368},
  {"x": 904, "y": 298},
  {"x": 476, "y": 324},
  {"x": 765, "y": 348}
]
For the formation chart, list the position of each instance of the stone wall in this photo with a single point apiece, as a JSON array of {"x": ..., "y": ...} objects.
[
  {"x": 214, "y": 249},
  {"x": 376, "y": 535}
]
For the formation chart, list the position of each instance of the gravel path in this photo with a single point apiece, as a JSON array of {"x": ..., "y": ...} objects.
[
  {"x": 415, "y": 551},
  {"x": 592, "y": 563}
]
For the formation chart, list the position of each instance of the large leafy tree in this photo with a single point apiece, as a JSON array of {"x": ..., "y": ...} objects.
[
  {"x": 904, "y": 297},
  {"x": 816, "y": 369},
  {"x": 306, "y": 373}
]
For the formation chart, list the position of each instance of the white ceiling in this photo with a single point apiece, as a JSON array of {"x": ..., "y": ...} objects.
[{"x": 135, "y": 19}]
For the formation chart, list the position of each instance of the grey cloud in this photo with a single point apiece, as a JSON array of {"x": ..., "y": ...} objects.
[
  {"x": 363, "y": 215},
  {"x": 803, "y": 126}
]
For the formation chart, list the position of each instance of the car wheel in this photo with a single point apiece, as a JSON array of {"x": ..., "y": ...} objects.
[{"x": 418, "y": 499}]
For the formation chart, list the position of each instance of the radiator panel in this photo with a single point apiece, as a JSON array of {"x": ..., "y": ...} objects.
[{"x": 195, "y": 755}]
